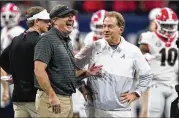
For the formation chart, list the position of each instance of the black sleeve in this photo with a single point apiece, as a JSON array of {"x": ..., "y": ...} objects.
[
  {"x": 5, "y": 59},
  {"x": 43, "y": 50}
]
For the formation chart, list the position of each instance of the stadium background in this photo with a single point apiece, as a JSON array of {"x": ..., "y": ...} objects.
[{"x": 135, "y": 12}]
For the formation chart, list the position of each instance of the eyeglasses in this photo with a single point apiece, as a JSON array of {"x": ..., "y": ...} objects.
[{"x": 110, "y": 26}]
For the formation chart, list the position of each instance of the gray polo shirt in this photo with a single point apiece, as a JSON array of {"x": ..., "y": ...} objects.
[{"x": 55, "y": 50}]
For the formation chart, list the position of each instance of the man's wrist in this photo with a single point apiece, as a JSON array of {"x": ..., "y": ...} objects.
[
  {"x": 81, "y": 88},
  {"x": 87, "y": 73},
  {"x": 52, "y": 95},
  {"x": 136, "y": 94}
]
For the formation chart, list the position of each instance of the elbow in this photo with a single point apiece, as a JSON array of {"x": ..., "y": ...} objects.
[
  {"x": 38, "y": 74},
  {"x": 37, "y": 71}
]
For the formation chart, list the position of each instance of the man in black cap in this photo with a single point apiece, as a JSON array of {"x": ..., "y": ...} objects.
[{"x": 55, "y": 67}]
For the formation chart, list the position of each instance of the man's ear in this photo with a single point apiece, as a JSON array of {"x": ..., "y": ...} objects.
[
  {"x": 36, "y": 21},
  {"x": 53, "y": 20},
  {"x": 122, "y": 29}
]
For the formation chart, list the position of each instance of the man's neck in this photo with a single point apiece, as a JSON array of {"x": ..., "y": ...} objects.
[
  {"x": 66, "y": 34},
  {"x": 34, "y": 29},
  {"x": 114, "y": 41}
]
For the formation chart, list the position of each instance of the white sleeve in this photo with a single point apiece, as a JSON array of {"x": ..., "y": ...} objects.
[
  {"x": 176, "y": 66},
  {"x": 84, "y": 56},
  {"x": 88, "y": 39},
  {"x": 16, "y": 31},
  {"x": 144, "y": 38},
  {"x": 144, "y": 71}
]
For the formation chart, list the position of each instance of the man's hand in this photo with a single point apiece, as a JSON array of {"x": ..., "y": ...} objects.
[
  {"x": 128, "y": 97},
  {"x": 55, "y": 104},
  {"x": 5, "y": 97},
  {"x": 94, "y": 70},
  {"x": 84, "y": 92}
]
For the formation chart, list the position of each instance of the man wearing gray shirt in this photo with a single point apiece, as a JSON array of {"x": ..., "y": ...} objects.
[
  {"x": 55, "y": 66},
  {"x": 112, "y": 92}
]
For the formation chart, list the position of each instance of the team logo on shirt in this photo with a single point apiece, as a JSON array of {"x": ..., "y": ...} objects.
[
  {"x": 99, "y": 52},
  {"x": 158, "y": 44},
  {"x": 123, "y": 56}
]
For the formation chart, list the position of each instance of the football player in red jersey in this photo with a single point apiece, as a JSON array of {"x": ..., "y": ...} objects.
[
  {"x": 96, "y": 26},
  {"x": 160, "y": 50},
  {"x": 10, "y": 18}
]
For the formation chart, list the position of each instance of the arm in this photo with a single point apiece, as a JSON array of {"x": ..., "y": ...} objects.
[
  {"x": 42, "y": 56},
  {"x": 145, "y": 73},
  {"x": 5, "y": 96},
  {"x": 3, "y": 73},
  {"x": 145, "y": 51},
  {"x": 80, "y": 72},
  {"x": 5, "y": 86},
  {"x": 42, "y": 78},
  {"x": 144, "y": 44},
  {"x": 144, "y": 48},
  {"x": 92, "y": 71},
  {"x": 145, "y": 77},
  {"x": 83, "y": 57}
]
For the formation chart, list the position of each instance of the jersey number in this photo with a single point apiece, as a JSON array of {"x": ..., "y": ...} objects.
[{"x": 171, "y": 58}]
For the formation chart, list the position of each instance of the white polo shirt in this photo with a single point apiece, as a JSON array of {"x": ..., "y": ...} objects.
[{"x": 118, "y": 70}]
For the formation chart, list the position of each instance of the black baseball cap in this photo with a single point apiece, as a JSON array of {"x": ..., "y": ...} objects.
[{"x": 61, "y": 10}]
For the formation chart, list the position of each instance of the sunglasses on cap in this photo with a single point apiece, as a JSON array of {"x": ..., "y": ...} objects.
[{"x": 66, "y": 15}]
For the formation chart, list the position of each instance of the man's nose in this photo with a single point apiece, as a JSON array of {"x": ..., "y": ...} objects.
[
  {"x": 49, "y": 23},
  {"x": 105, "y": 28},
  {"x": 6, "y": 22}
]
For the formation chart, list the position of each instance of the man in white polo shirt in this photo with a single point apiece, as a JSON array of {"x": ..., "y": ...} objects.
[{"x": 112, "y": 93}]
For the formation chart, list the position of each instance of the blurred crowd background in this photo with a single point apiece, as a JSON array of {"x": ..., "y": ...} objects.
[{"x": 134, "y": 12}]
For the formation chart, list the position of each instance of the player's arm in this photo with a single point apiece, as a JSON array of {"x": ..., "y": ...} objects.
[
  {"x": 144, "y": 44},
  {"x": 144, "y": 48}
]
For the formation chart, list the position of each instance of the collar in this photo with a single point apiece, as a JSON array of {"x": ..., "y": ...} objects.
[
  {"x": 61, "y": 34},
  {"x": 120, "y": 47},
  {"x": 122, "y": 43},
  {"x": 165, "y": 39}
]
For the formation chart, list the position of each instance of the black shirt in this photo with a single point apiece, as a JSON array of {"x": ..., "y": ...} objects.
[
  {"x": 55, "y": 50},
  {"x": 17, "y": 59}
]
